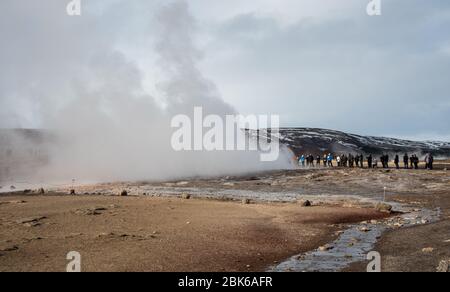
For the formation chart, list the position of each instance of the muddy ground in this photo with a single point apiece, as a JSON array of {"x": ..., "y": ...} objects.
[{"x": 154, "y": 229}]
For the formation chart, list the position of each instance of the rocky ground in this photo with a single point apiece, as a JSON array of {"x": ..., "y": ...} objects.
[
  {"x": 209, "y": 225},
  {"x": 160, "y": 234}
]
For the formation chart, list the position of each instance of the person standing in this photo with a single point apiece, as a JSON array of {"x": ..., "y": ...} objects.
[
  {"x": 318, "y": 161},
  {"x": 302, "y": 160},
  {"x": 330, "y": 160},
  {"x": 361, "y": 160},
  {"x": 397, "y": 161},
  {"x": 369, "y": 160},
  {"x": 406, "y": 161},
  {"x": 351, "y": 160},
  {"x": 416, "y": 162},
  {"x": 325, "y": 160},
  {"x": 430, "y": 161},
  {"x": 382, "y": 161}
]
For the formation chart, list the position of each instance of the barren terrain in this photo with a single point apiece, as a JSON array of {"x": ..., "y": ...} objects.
[{"x": 250, "y": 223}]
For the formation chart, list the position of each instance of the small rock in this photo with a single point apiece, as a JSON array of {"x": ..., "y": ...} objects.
[
  {"x": 33, "y": 239},
  {"x": 72, "y": 192},
  {"x": 186, "y": 196},
  {"x": 32, "y": 224},
  {"x": 383, "y": 207},
  {"x": 305, "y": 203},
  {"x": 30, "y": 220},
  {"x": 428, "y": 250},
  {"x": 364, "y": 229},
  {"x": 443, "y": 266},
  {"x": 447, "y": 241},
  {"x": 100, "y": 209},
  {"x": 9, "y": 248},
  {"x": 325, "y": 248},
  {"x": 374, "y": 222},
  {"x": 104, "y": 234},
  {"x": 41, "y": 191},
  {"x": 124, "y": 193},
  {"x": 246, "y": 201}
]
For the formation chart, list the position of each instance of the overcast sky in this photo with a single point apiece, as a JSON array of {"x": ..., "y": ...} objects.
[{"x": 316, "y": 63}]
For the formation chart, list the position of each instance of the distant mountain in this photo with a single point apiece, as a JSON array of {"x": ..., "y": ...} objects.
[{"x": 319, "y": 141}]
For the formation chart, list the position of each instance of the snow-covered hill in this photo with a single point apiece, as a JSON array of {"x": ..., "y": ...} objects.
[{"x": 319, "y": 141}]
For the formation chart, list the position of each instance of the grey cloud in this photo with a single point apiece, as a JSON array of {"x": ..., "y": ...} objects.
[{"x": 371, "y": 75}]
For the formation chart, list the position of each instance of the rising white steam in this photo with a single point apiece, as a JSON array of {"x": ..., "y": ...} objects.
[{"x": 67, "y": 75}]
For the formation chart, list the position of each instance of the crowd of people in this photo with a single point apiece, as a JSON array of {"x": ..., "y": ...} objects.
[{"x": 358, "y": 160}]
